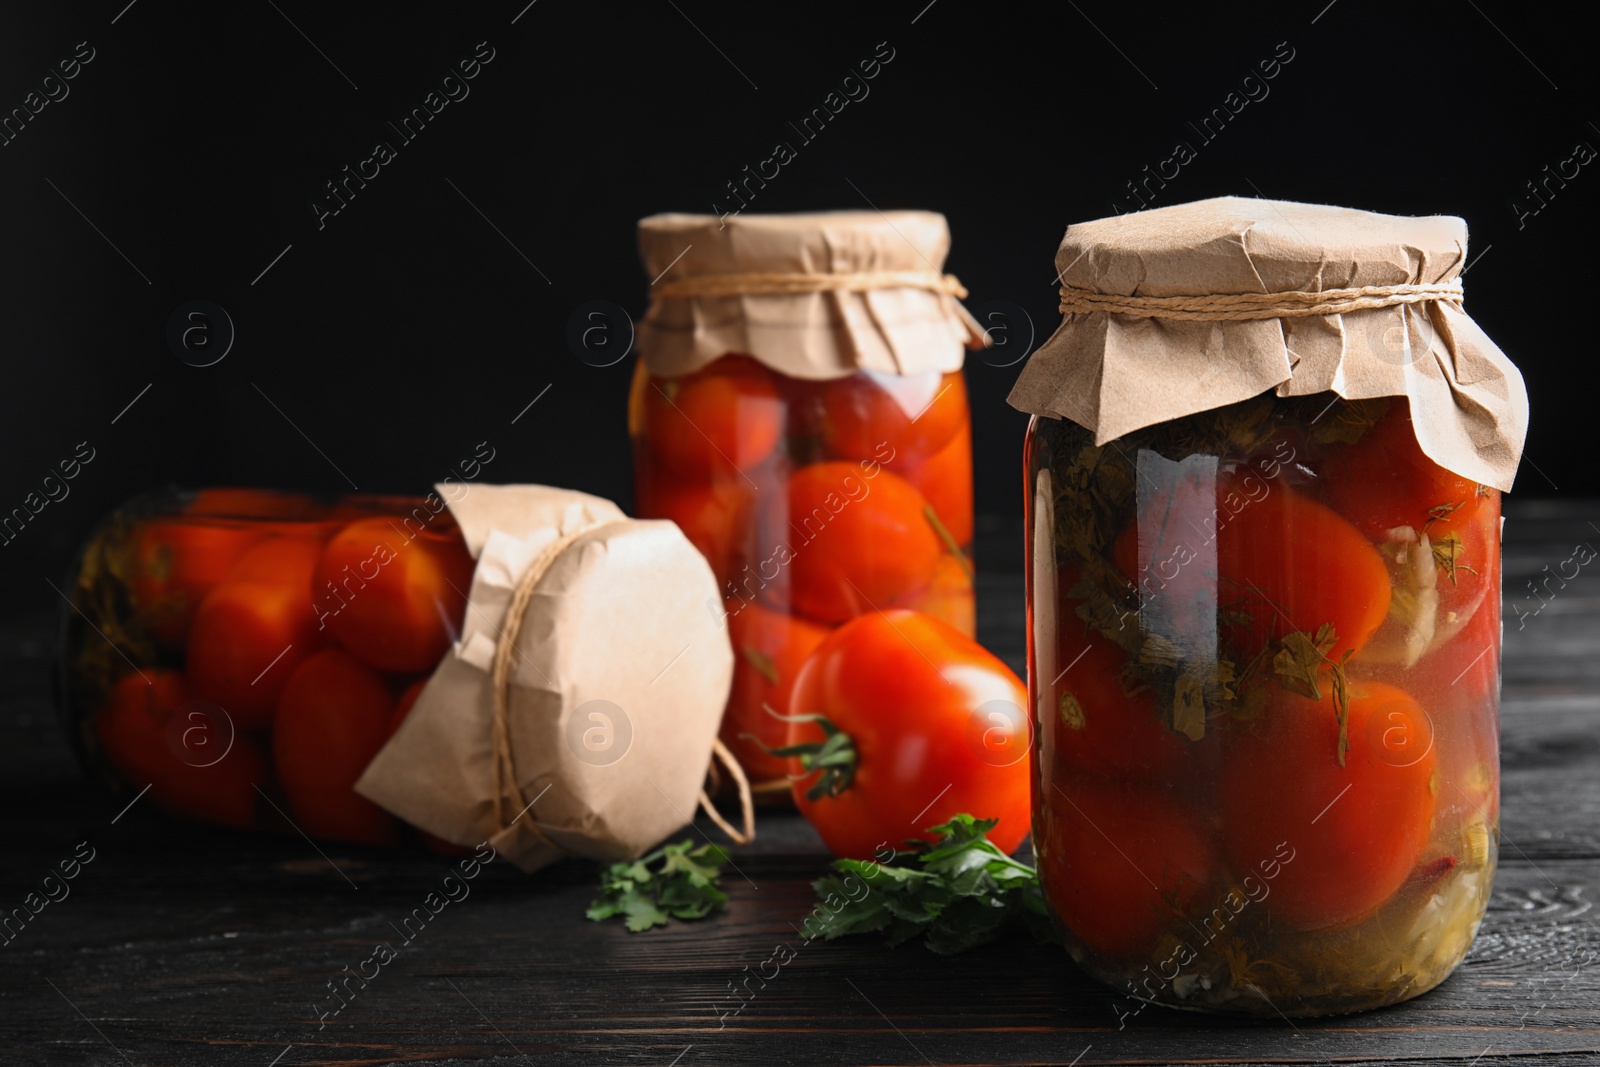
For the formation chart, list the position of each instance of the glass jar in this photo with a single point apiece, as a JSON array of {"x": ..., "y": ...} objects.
[
  {"x": 243, "y": 654},
  {"x": 814, "y": 502},
  {"x": 1264, "y": 660}
]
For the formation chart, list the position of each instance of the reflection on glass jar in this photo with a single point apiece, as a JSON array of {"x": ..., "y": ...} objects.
[{"x": 1264, "y": 661}]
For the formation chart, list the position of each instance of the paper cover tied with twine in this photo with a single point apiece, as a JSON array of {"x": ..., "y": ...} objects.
[
  {"x": 612, "y": 677},
  {"x": 810, "y": 295},
  {"x": 1183, "y": 309}
]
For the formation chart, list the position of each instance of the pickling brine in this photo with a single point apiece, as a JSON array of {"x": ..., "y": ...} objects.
[{"x": 1264, "y": 644}]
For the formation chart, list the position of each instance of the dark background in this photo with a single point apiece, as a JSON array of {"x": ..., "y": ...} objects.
[{"x": 408, "y": 329}]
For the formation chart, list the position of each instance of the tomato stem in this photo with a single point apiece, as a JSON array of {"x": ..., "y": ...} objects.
[
  {"x": 949, "y": 540},
  {"x": 835, "y": 756}
]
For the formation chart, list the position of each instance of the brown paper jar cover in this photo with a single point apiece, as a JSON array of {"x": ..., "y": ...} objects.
[
  {"x": 1115, "y": 373},
  {"x": 617, "y": 627},
  {"x": 812, "y": 335}
]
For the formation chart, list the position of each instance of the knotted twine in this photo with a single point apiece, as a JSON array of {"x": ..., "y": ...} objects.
[{"x": 508, "y": 791}]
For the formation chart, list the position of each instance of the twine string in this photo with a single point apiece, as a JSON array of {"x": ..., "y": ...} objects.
[
  {"x": 774, "y": 283},
  {"x": 747, "y": 808},
  {"x": 1233, "y": 307},
  {"x": 508, "y": 791}
]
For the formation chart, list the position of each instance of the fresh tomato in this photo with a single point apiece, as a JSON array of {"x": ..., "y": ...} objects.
[
  {"x": 859, "y": 542},
  {"x": 948, "y": 596},
  {"x": 176, "y": 563},
  {"x": 725, "y": 417},
  {"x": 769, "y": 648},
  {"x": 1119, "y": 865},
  {"x": 333, "y": 717},
  {"x": 192, "y": 758},
  {"x": 916, "y": 415},
  {"x": 932, "y": 725},
  {"x": 392, "y": 596},
  {"x": 1096, "y": 725},
  {"x": 945, "y": 479},
  {"x": 714, "y": 513},
  {"x": 1356, "y": 829}
]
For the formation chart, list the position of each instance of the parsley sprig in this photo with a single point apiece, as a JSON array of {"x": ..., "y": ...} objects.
[
  {"x": 673, "y": 882},
  {"x": 960, "y": 892}
]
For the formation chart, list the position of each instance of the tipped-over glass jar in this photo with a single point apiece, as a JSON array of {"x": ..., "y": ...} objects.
[
  {"x": 799, "y": 411},
  {"x": 244, "y": 654},
  {"x": 1264, "y": 605}
]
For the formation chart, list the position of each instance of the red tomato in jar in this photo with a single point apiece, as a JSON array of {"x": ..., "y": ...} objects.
[
  {"x": 914, "y": 415},
  {"x": 393, "y": 596},
  {"x": 1120, "y": 864},
  {"x": 1100, "y": 728},
  {"x": 937, "y": 725},
  {"x": 1385, "y": 480},
  {"x": 1459, "y": 682},
  {"x": 176, "y": 563},
  {"x": 716, "y": 515},
  {"x": 769, "y": 648},
  {"x": 1257, "y": 548},
  {"x": 246, "y": 639},
  {"x": 948, "y": 596},
  {"x": 333, "y": 717},
  {"x": 289, "y": 560},
  {"x": 859, "y": 542},
  {"x": 196, "y": 764},
  {"x": 403, "y": 706},
  {"x": 1292, "y": 564},
  {"x": 726, "y": 417},
  {"x": 945, "y": 480},
  {"x": 1356, "y": 830}
]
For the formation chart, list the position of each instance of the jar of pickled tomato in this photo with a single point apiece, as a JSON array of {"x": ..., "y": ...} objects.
[
  {"x": 351, "y": 668},
  {"x": 799, "y": 411},
  {"x": 245, "y": 653},
  {"x": 1264, "y": 474}
]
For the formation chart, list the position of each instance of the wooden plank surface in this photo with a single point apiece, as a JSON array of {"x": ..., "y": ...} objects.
[{"x": 182, "y": 945}]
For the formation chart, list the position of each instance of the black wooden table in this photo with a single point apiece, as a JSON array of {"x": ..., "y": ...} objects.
[{"x": 180, "y": 945}]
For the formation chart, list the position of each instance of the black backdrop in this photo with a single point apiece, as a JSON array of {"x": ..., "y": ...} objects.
[{"x": 385, "y": 341}]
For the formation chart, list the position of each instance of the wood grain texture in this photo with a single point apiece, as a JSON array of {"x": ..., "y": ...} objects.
[{"x": 181, "y": 945}]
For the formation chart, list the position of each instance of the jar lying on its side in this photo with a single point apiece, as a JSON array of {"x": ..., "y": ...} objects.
[
  {"x": 245, "y": 653},
  {"x": 1267, "y": 662}
]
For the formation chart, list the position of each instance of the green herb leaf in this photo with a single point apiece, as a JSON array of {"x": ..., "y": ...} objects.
[
  {"x": 1189, "y": 706},
  {"x": 1301, "y": 659},
  {"x": 960, "y": 892},
  {"x": 1346, "y": 421},
  {"x": 761, "y": 662},
  {"x": 674, "y": 882}
]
